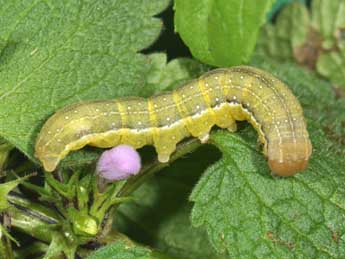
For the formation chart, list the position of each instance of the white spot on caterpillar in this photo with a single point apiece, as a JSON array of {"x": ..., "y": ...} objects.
[
  {"x": 129, "y": 107},
  {"x": 241, "y": 77},
  {"x": 66, "y": 117},
  {"x": 139, "y": 122},
  {"x": 197, "y": 107},
  {"x": 191, "y": 87},
  {"x": 75, "y": 111},
  {"x": 168, "y": 119},
  {"x": 260, "y": 86},
  {"x": 97, "y": 110}
]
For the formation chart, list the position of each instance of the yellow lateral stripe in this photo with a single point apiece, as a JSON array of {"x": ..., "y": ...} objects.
[
  {"x": 182, "y": 110},
  {"x": 207, "y": 100},
  {"x": 225, "y": 86},
  {"x": 152, "y": 113},
  {"x": 201, "y": 85},
  {"x": 123, "y": 114}
]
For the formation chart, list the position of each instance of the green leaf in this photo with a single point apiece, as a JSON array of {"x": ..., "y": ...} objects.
[
  {"x": 60, "y": 245},
  {"x": 6, "y": 236},
  {"x": 57, "y": 53},
  {"x": 220, "y": 32},
  {"x": 5, "y": 149},
  {"x": 281, "y": 3},
  {"x": 327, "y": 17},
  {"x": 313, "y": 38},
  {"x": 248, "y": 213},
  {"x": 165, "y": 75},
  {"x": 121, "y": 251},
  {"x": 332, "y": 65},
  {"x": 160, "y": 217},
  {"x": 33, "y": 218},
  {"x": 5, "y": 188},
  {"x": 289, "y": 33}
]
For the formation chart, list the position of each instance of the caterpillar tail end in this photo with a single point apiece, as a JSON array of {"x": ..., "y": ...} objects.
[{"x": 287, "y": 168}]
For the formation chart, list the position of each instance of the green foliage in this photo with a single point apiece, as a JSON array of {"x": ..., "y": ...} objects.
[
  {"x": 280, "y": 4},
  {"x": 249, "y": 213},
  {"x": 57, "y": 53},
  {"x": 289, "y": 32},
  {"x": 332, "y": 65},
  {"x": 121, "y": 251},
  {"x": 160, "y": 215},
  {"x": 220, "y": 33},
  {"x": 313, "y": 38},
  {"x": 164, "y": 76},
  {"x": 5, "y": 149},
  {"x": 5, "y": 188}
]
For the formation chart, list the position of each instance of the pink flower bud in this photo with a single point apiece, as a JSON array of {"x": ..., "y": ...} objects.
[{"x": 119, "y": 163}]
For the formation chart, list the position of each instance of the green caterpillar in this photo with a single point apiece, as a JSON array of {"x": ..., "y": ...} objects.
[{"x": 219, "y": 97}]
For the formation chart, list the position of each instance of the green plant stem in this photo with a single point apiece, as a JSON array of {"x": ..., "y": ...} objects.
[
  {"x": 149, "y": 170},
  {"x": 5, "y": 244},
  {"x": 32, "y": 218},
  {"x": 146, "y": 172},
  {"x": 39, "y": 221},
  {"x": 31, "y": 250}
]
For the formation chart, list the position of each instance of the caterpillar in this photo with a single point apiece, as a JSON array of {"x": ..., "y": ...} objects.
[{"x": 220, "y": 97}]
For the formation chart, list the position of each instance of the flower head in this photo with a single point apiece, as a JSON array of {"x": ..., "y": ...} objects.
[{"x": 119, "y": 163}]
